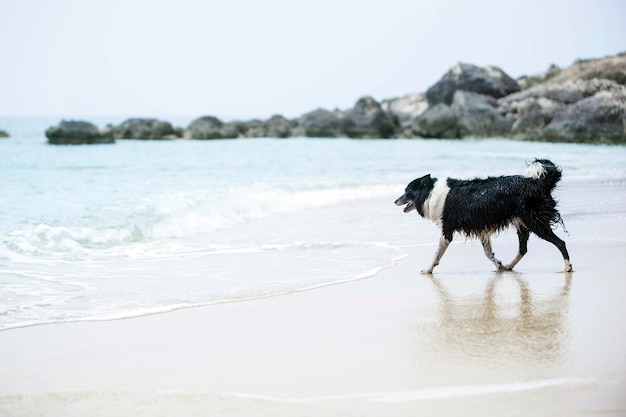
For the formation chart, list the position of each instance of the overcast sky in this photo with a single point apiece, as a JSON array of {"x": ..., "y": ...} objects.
[{"x": 255, "y": 58}]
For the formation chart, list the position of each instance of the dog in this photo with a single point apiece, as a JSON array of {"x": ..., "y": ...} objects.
[{"x": 478, "y": 208}]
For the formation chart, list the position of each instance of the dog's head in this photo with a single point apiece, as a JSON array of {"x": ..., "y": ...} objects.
[{"x": 414, "y": 193}]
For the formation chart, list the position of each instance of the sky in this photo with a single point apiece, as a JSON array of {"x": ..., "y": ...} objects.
[{"x": 243, "y": 59}]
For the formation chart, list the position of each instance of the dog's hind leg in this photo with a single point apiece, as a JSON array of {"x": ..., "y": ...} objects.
[
  {"x": 522, "y": 234},
  {"x": 486, "y": 241},
  {"x": 443, "y": 245},
  {"x": 548, "y": 235}
]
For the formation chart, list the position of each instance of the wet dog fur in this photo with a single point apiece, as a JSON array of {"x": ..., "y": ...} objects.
[{"x": 479, "y": 208}]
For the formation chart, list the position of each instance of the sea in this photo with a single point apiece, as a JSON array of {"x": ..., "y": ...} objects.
[{"x": 105, "y": 232}]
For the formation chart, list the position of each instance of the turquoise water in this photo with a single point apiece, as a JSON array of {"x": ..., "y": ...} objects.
[{"x": 139, "y": 227}]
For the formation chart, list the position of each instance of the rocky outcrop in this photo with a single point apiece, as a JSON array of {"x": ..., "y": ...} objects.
[
  {"x": 479, "y": 102},
  {"x": 608, "y": 68},
  {"x": 208, "y": 127},
  {"x": 137, "y": 128},
  {"x": 585, "y": 102},
  {"x": 368, "y": 120},
  {"x": 589, "y": 120},
  {"x": 404, "y": 111},
  {"x": 321, "y": 123},
  {"x": 479, "y": 116},
  {"x": 463, "y": 103},
  {"x": 76, "y": 132},
  {"x": 489, "y": 80},
  {"x": 276, "y": 126},
  {"x": 439, "y": 121},
  {"x": 3, "y": 134},
  {"x": 573, "y": 111}
]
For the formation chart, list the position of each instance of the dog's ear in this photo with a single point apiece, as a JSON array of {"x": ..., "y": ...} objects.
[{"x": 425, "y": 177}]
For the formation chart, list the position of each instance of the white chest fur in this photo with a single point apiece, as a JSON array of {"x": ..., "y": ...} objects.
[{"x": 433, "y": 206}]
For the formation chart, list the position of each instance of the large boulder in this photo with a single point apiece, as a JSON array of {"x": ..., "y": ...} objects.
[
  {"x": 76, "y": 132},
  {"x": 137, "y": 128},
  {"x": 368, "y": 120},
  {"x": 439, "y": 121},
  {"x": 206, "y": 127},
  {"x": 321, "y": 123},
  {"x": 404, "y": 110},
  {"x": 478, "y": 116},
  {"x": 3, "y": 134},
  {"x": 278, "y": 126},
  {"x": 489, "y": 80}
]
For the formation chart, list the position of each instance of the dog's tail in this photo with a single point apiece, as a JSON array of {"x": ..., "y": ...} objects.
[{"x": 546, "y": 171}]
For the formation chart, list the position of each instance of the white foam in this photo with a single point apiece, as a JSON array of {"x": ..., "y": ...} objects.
[
  {"x": 434, "y": 393},
  {"x": 178, "y": 215},
  {"x": 475, "y": 390},
  {"x": 181, "y": 214}
]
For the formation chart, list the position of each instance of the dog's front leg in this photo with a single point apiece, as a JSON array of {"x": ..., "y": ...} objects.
[{"x": 443, "y": 245}]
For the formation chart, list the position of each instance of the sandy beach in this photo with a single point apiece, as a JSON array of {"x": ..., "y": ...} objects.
[{"x": 466, "y": 341}]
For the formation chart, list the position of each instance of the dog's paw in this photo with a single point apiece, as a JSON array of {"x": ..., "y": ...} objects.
[
  {"x": 503, "y": 268},
  {"x": 426, "y": 271},
  {"x": 568, "y": 266}
]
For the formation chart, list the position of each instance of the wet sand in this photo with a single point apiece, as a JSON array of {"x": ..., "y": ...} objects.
[{"x": 466, "y": 341}]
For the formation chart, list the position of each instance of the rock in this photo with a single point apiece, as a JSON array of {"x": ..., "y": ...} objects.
[
  {"x": 404, "y": 110},
  {"x": 479, "y": 116},
  {"x": 572, "y": 111},
  {"x": 368, "y": 120},
  {"x": 254, "y": 128},
  {"x": 611, "y": 67},
  {"x": 530, "y": 105},
  {"x": 144, "y": 129},
  {"x": 206, "y": 127},
  {"x": 530, "y": 125},
  {"x": 3, "y": 134},
  {"x": 489, "y": 80},
  {"x": 593, "y": 119},
  {"x": 321, "y": 123},
  {"x": 585, "y": 102},
  {"x": 76, "y": 132},
  {"x": 233, "y": 130},
  {"x": 276, "y": 126},
  {"x": 439, "y": 121},
  {"x": 557, "y": 94}
]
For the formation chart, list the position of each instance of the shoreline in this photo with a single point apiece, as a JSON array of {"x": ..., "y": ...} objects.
[
  {"x": 173, "y": 309},
  {"x": 464, "y": 341}
]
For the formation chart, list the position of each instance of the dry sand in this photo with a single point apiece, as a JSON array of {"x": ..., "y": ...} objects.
[{"x": 466, "y": 341}]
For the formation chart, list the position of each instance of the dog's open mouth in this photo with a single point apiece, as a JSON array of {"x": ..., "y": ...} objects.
[{"x": 409, "y": 206}]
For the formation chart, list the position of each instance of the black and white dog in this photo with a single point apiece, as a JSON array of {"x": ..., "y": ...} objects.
[{"x": 481, "y": 207}]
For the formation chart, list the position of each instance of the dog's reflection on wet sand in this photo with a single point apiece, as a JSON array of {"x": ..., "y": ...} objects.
[{"x": 507, "y": 324}]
